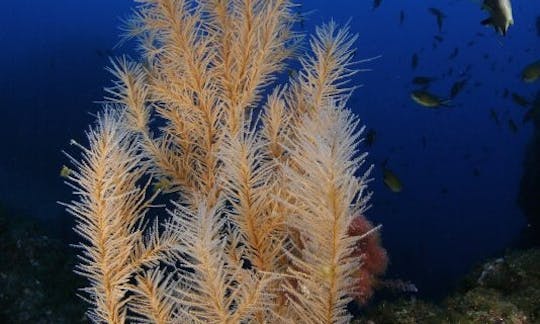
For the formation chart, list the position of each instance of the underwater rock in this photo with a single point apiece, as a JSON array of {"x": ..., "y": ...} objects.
[
  {"x": 502, "y": 290},
  {"x": 36, "y": 276}
]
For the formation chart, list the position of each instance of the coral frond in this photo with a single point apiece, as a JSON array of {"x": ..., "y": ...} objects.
[
  {"x": 109, "y": 212},
  {"x": 267, "y": 200},
  {"x": 325, "y": 191}
]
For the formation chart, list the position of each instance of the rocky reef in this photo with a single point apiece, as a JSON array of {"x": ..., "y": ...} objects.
[
  {"x": 37, "y": 282},
  {"x": 502, "y": 290}
]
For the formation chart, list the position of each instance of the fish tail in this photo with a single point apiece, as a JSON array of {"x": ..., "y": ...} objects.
[
  {"x": 447, "y": 102},
  {"x": 486, "y": 22}
]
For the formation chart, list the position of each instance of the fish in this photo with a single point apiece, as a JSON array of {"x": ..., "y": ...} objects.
[
  {"x": 438, "y": 38},
  {"x": 422, "y": 80},
  {"x": 534, "y": 112},
  {"x": 454, "y": 53},
  {"x": 531, "y": 72},
  {"x": 500, "y": 15},
  {"x": 292, "y": 73},
  {"x": 531, "y": 114},
  {"x": 538, "y": 26},
  {"x": 376, "y": 4},
  {"x": 391, "y": 180},
  {"x": 371, "y": 136},
  {"x": 401, "y": 17},
  {"x": 65, "y": 172},
  {"x": 494, "y": 116},
  {"x": 476, "y": 172},
  {"x": 512, "y": 126},
  {"x": 457, "y": 87},
  {"x": 163, "y": 184},
  {"x": 506, "y": 93},
  {"x": 397, "y": 286},
  {"x": 414, "y": 61},
  {"x": 427, "y": 99},
  {"x": 520, "y": 100},
  {"x": 439, "y": 15}
]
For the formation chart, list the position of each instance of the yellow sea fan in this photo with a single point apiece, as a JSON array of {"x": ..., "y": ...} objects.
[{"x": 257, "y": 231}]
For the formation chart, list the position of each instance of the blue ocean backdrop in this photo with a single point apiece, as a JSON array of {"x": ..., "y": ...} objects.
[{"x": 461, "y": 165}]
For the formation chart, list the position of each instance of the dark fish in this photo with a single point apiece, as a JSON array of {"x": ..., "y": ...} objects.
[
  {"x": 520, "y": 100},
  {"x": 414, "y": 61},
  {"x": 438, "y": 38},
  {"x": 457, "y": 87},
  {"x": 401, "y": 17},
  {"x": 512, "y": 125},
  {"x": 531, "y": 72},
  {"x": 476, "y": 172},
  {"x": 371, "y": 136},
  {"x": 494, "y": 116},
  {"x": 292, "y": 73},
  {"x": 391, "y": 180},
  {"x": 398, "y": 286},
  {"x": 300, "y": 19},
  {"x": 471, "y": 43},
  {"x": 376, "y": 4},
  {"x": 422, "y": 80},
  {"x": 538, "y": 26},
  {"x": 439, "y": 15},
  {"x": 506, "y": 93},
  {"x": 531, "y": 114},
  {"x": 454, "y": 53},
  {"x": 428, "y": 100}
]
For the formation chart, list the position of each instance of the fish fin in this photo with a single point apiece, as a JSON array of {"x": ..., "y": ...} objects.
[
  {"x": 384, "y": 163},
  {"x": 447, "y": 103}
]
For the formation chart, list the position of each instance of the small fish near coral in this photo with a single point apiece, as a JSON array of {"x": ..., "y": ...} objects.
[
  {"x": 531, "y": 73},
  {"x": 429, "y": 100}
]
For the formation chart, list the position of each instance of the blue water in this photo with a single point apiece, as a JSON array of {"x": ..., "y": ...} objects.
[{"x": 460, "y": 171}]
